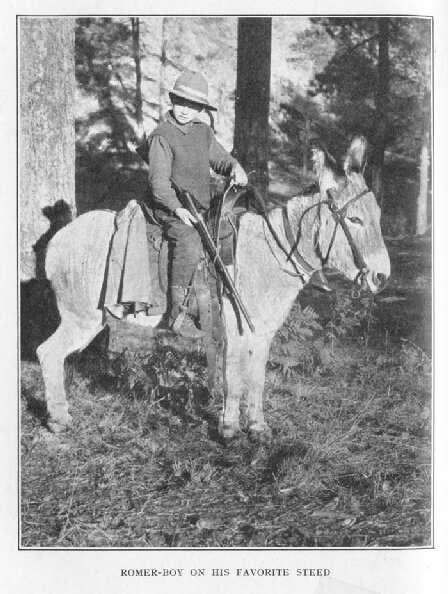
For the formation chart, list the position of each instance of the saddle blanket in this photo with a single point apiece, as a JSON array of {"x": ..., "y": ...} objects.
[{"x": 132, "y": 272}]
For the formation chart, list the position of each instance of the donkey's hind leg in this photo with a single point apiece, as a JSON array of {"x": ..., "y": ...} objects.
[{"x": 70, "y": 336}]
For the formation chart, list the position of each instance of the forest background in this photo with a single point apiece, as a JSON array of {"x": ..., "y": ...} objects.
[{"x": 330, "y": 78}]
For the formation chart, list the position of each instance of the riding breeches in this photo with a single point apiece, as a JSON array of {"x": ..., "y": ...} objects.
[{"x": 184, "y": 247}]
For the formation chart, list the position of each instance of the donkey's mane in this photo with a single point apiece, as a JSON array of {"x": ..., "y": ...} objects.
[{"x": 303, "y": 206}]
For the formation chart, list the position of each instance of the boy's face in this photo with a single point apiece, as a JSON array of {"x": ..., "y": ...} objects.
[{"x": 184, "y": 110}]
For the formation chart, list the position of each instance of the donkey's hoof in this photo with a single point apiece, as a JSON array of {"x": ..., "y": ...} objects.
[
  {"x": 235, "y": 442},
  {"x": 59, "y": 424},
  {"x": 228, "y": 431},
  {"x": 260, "y": 434},
  {"x": 56, "y": 426}
]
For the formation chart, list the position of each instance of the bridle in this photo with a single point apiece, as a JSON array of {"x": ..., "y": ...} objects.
[{"x": 339, "y": 216}]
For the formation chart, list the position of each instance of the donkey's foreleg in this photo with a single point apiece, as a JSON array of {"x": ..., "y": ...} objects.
[
  {"x": 258, "y": 351},
  {"x": 235, "y": 367},
  {"x": 69, "y": 337}
]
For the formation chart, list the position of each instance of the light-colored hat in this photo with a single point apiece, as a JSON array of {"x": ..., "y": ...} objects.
[{"x": 194, "y": 87}]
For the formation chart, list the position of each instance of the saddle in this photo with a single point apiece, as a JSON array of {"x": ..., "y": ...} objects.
[
  {"x": 139, "y": 276},
  {"x": 224, "y": 218}
]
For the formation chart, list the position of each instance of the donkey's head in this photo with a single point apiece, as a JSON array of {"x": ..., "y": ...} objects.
[{"x": 349, "y": 237}]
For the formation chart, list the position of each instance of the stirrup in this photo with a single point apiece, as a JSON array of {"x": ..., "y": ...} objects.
[{"x": 141, "y": 318}]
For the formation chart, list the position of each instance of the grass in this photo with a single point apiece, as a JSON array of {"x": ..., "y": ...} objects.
[{"x": 348, "y": 466}]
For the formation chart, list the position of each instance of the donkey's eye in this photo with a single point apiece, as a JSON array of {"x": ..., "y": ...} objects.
[{"x": 355, "y": 220}]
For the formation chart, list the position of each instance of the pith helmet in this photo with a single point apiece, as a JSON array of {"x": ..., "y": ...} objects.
[{"x": 194, "y": 87}]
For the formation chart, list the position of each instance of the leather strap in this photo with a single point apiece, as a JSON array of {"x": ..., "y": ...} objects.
[{"x": 293, "y": 244}]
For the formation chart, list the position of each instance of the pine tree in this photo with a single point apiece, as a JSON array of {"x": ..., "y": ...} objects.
[
  {"x": 47, "y": 130},
  {"x": 251, "y": 140}
]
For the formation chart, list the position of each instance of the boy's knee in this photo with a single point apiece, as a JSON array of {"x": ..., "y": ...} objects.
[
  {"x": 186, "y": 240},
  {"x": 187, "y": 236},
  {"x": 194, "y": 245}
]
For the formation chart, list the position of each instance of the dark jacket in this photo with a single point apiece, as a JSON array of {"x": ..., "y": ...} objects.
[{"x": 185, "y": 154}]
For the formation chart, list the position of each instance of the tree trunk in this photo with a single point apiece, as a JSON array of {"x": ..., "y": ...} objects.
[
  {"x": 46, "y": 133},
  {"x": 251, "y": 139},
  {"x": 306, "y": 146},
  {"x": 163, "y": 43},
  {"x": 135, "y": 23},
  {"x": 382, "y": 106},
  {"x": 421, "y": 225}
]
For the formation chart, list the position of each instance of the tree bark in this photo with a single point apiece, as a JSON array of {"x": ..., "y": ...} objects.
[
  {"x": 251, "y": 138},
  {"x": 135, "y": 23},
  {"x": 47, "y": 131},
  {"x": 421, "y": 225},
  {"x": 306, "y": 145},
  {"x": 382, "y": 106},
  {"x": 163, "y": 44}
]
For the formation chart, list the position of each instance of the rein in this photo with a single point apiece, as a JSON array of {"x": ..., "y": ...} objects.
[{"x": 288, "y": 232}]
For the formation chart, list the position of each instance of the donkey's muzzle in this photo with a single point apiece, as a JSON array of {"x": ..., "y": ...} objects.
[
  {"x": 380, "y": 281},
  {"x": 367, "y": 282}
]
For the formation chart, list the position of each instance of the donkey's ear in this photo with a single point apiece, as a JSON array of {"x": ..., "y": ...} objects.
[
  {"x": 318, "y": 159},
  {"x": 355, "y": 159}
]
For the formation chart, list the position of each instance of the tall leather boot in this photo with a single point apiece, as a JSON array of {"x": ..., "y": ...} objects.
[{"x": 180, "y": 321}]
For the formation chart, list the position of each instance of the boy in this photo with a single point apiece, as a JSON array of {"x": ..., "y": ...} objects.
[{"x": 183, "y": 148}]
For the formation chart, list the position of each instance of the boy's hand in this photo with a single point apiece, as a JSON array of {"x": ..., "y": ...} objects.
[
  {"x": 185, "y": 216},
  {"x": 238, "y": 176}
]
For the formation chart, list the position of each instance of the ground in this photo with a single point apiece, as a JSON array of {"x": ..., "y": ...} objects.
[{"x": 347, "y": 395}]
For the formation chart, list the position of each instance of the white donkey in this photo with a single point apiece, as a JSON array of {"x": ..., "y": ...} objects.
[{"x": 338, "y": 226}]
